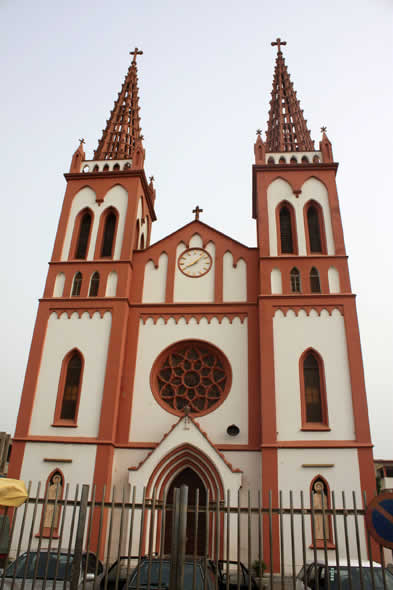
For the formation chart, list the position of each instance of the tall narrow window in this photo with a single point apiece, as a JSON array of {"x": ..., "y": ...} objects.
[
  {"x": 312, "y": 389},
  {"x": 109, "y": 234},
  {"x": 295, "y": 280},
  {"x": 71, "y": 390},
  {"x": 314, "y": 230},
  {"x": 315, "y": 283},
  {"x": 76, "y": 285},
  {"x": 286, "y": 234},
  {"x": 84, "y": 234},
  {"x": 94, "y": 285}
]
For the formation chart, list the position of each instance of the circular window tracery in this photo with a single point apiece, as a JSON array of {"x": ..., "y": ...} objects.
[{"x": 191, "y": 373}]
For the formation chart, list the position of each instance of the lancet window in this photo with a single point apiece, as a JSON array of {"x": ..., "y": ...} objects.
[
  {"x": 295, "y": 280},
  {"x": 108, "y": 236},
  {"x": 94, "y": 284},
  {"x": 315, "y": 283},
  {"x": 83, "y": 236}
]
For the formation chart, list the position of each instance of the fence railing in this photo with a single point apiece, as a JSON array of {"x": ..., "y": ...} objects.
[{"x": 126, "y": 539}]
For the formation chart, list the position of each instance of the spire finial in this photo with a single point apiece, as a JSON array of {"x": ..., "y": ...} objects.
[
  {"x": 278, "y": 42},
  {"x": 81, "y": 141},
  {"x": 323, "y": 129},
  {"x": 135, "y": 53},
  {"x": 259, "y": 131}
]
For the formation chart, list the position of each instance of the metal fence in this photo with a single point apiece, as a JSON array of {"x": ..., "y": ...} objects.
[{"x": 89, "y": 540}]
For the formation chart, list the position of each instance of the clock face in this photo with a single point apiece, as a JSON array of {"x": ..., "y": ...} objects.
[{"x": 195, "y": 262}]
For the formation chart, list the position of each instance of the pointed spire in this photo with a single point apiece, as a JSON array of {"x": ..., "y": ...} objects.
[
  {"x": 287, "y": 129},
  {"x": 123, "y": 130},
  {"x": 325, "y": 147},
  {"x": 78, "y": 157}
]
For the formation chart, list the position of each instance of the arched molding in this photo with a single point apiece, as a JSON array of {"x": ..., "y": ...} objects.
[
  {"x": 48, "y": 531},
  {"x": 80, "y": 311},
  {"x": 313, "y": 177},
  {"x": 292, "y": 213},
  {"x": 276, "y": 281},
  {"x": 324, "y": 423},
  {"x": 94, "y": 284},
  {"x": 59, "y": 285},
  {"x": 111, "y": 284},
  {"x": 319, "y": 543},
  {"x": 319, "y": 209},
  {"x": 76, "y": 286},
  {"x": 187, "y": 317},
  {"x": 58, "y": 420},
  {"x": 284, "y": 309},
  {"x": 334, "y": 280},
  {"x": 76, "y": 234},
  {"x": 279, "y": 177},
  {"x": 101, "y": 233}
]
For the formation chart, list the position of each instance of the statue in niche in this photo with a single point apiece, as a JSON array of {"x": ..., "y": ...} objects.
[
  {"x": 319, "y": 500},
  {"x": 55, "y": 489}
]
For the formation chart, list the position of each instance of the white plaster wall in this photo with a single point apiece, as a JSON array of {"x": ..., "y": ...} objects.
[
  {"x": 235, "y": 279},
  {"x": 149, "y": 420},
  {"x": 276, "y": 281},
  {"x": 154, "y": 285},
  {"x": 334, "y": 280},
  {"x": 279, "y": 190},
  {"x": 116, "y": 197},
  {"x": 111, "y": 284},
  {"x": 59, "y": 285},
  {"x": 344, "y": 476},
  {"x": 34, "y": 469},
  {"x": 200, "y": 289},
  {"x": 326, "y": 334},
  {"x": 91, "y": 337}
]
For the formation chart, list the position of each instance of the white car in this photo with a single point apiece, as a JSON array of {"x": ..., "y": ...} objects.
[{"x": 306, "y": 578}]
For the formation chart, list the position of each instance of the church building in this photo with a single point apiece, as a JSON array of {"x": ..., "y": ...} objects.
[{"x": 197, "y": 359}]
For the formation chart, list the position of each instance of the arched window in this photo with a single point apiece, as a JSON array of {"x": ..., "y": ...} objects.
[
  {"x": 315, "y": 283},
  {"x": 287, "y": 243},
  {"x": 321, "y": 526},
  {"x": 69, "y": 389},
  {"x": 142, "y": 241},
  {"x": 84, "y": 235},
  {"x": 108, "y": 234},
  {"x": 76, "y": 285},
  {"x": 314, "y": 229},
  {"x": 94, "y": 284},
  {"x": 295, "y": 280},
  {"x": 312, "y": 380}
]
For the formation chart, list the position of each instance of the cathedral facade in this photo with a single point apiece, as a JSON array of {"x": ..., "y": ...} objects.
[{"x": 198, "y": 359}]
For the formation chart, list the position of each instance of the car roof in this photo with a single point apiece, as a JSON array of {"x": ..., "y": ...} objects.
[{"x": 344, "y": 563}]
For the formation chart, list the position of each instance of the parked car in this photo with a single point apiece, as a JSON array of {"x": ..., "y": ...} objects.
[
  {"x": 50, "y": 566},
  {"x": 318, "y": 570},
  {"x": 236, "y": 571},
  {"x": 121, "y": 569}
]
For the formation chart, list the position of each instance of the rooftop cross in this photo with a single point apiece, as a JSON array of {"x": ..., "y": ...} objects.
[
  {"x": 278, "y": 42},
  {"x": 323, "y": 129},
  {"x": 197, "y": 210},
  {"x": 259, "y": 131},
  {"x": 81, "y": 140},
  {"x": 135, "y": 53}
]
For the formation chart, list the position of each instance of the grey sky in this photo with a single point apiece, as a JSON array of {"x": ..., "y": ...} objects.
[{"x": 205, "y": 80}]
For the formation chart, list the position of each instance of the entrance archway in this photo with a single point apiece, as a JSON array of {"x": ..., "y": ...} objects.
[{"x": 191, "y": 479}]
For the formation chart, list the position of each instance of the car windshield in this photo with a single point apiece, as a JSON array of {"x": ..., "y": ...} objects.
[
  {"x": 24, "y": 567},
  {"x": 155, "y": 576},
  {"x": 355, "y": 578}
]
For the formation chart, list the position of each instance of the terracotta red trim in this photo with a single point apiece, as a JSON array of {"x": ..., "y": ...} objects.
[
  {"x": 321, "y": 222},
  {"x": 102, "y": 479},
  {"x": 254, "y": 377},
  {"x": 100, "y": 233},
  {"x": 270, "y": 494},
  {"x": 57, "y": 420},
  {"x": 16, "y": 459},
  {"x": 292, "y": 214},
  {"x": 324, "y": 424},
  {"x": 316, "y": 444},
  {"x": 76, "y": 232}
]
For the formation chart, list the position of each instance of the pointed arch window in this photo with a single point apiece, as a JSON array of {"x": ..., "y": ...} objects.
[
  {"x": 315, "y": 283},
  {"x": 94, "y": 284},
  {"x": 68, "y": 394},
  {"x": 287, "y": 232},
  {"x": 295, "y": 280},
  {"x": 315, "y": 229},
  {"x": 76, "y": 285},
  {"x": 83, "y": 236},
  {"x": 108, "y": 237},
  {"x": 313, "y": 392}
]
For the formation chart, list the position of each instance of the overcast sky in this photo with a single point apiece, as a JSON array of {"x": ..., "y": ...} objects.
[{"x": 205, "y": 80}]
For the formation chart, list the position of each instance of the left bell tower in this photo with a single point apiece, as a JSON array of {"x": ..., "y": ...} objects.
[{"x": 71, "y": 394}]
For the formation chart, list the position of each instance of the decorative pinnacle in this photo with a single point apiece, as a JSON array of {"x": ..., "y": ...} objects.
[
  {"x": 151, "y": 178},
  {"x": 259, "y": 131},
  {"x": 141, "y": 137},
  {"x": 135, "y": 53},
  {"x": 278, "y": 42},
  {"x": 323, "y": 129}
]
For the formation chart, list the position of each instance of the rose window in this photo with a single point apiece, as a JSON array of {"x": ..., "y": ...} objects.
[{"x": 191, "y": 373}]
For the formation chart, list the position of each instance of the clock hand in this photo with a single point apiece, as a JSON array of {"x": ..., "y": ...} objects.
[{"x": 194, "y": 261}]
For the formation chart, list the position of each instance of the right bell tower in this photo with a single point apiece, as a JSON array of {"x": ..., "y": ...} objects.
[{"x": 315, "y": 426}]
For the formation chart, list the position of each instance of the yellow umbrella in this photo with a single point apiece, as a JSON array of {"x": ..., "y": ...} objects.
[{"x": 12, "y": 492}]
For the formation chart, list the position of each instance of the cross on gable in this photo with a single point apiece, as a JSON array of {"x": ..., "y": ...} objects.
[
  {"x": 323, "y": 129},
  {"x": 81, "y": 140},
  {"x": 278, "y": 42},
  {"x": 197, "y": 211},
  {"x": 135, "y": 53}
]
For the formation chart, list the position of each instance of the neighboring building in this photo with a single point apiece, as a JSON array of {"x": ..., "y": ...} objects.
[
  {"x": 5, "y": 452},
  {"x": 198, "y": 359},
  {"x": 384, "y": 474}
]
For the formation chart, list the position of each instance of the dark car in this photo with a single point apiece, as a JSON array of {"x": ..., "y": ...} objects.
[
  {"x": 239, "y": 575},
  {"x": 49, "y": 565},
  {"x": 119, "y": 571},
  {"x": 156, "y": 574},
  {"x": 339, "y": 576}
]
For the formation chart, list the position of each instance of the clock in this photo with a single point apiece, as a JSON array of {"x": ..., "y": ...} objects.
[{"x": 195, "y": 262}]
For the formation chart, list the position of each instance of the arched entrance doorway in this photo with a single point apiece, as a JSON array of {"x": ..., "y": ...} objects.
[{"x": 191, "y": 479}]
